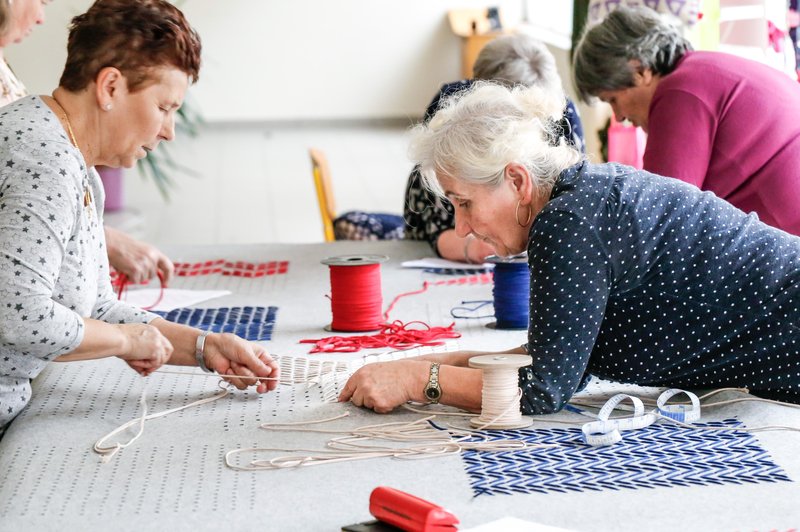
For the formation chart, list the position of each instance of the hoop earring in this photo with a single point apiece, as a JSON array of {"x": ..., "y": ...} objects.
[{"x": 528, "y": 219}]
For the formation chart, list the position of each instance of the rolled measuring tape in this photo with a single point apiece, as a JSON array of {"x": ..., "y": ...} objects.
[
  {"x": 356, "y": 294},
  {"x": 609, "y": 431},
  {"x": 511, "y": 292}
]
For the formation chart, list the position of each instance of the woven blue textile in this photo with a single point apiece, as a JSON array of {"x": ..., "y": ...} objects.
[
  {"x": 457, "y": 271},
  {"x": 251, "y": 323},
  {"x": 662, "y": 455},
  {"x": 360, "y": 225}
]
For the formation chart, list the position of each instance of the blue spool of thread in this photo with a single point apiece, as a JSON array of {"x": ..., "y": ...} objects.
[{"x": 511, "y": 292}]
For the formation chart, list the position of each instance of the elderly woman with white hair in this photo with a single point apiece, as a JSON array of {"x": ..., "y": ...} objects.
[
  {"x": 634, "y": 277},
  {"x": 518, "y": 59}
]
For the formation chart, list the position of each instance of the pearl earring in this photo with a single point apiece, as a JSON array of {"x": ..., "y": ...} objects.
[{"x": 107, "y": 107}]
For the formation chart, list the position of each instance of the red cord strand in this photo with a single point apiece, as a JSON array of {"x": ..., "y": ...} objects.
[{"x": 121, "y": 281}]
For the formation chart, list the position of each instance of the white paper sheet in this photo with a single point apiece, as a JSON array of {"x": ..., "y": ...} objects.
[
  {"x": 173, "y": 297},
  {"x": 435, "y": 262},
  {"x": 512, "y": 524}
]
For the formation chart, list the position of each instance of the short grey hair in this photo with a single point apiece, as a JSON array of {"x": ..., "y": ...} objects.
[
  {"x": 518, "y": 60},
  {"x": 479, "y": 131},
  {"x": 603, "y": 57}
]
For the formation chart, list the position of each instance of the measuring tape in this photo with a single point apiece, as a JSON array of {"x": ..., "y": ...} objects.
[
  {"x": 678, "y": 412},
  {"x": 607, "y": 431}
]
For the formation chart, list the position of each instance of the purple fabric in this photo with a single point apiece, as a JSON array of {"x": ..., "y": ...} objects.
[{"x": 731, "y": 126}]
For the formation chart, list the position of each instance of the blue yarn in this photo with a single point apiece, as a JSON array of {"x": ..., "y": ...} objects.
[{"x": 511, "y": 294}]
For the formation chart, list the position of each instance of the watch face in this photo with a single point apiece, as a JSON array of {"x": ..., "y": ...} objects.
[{"x": 432, "y": 393}]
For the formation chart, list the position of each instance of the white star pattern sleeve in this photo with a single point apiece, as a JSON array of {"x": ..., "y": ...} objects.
[{"x": 39, "y": 210}]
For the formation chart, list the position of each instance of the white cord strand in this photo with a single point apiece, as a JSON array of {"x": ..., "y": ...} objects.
[
  {"x": 420, "y": 440},
  {"x": 107, "y": 452}
]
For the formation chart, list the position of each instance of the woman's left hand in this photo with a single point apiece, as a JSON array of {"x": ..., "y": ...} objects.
[
  {"x": 229, "y": 354},
  {"x": 139, "y": 261},
  {"x": 383, "y": 386}
]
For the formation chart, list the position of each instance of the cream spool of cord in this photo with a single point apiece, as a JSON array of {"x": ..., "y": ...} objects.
[{"x": 501, "y": 394}]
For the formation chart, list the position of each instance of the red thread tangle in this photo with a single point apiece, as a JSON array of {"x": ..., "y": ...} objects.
[
  {"x": 396, "y": 335},
  {"x": 121, "y": 282}
]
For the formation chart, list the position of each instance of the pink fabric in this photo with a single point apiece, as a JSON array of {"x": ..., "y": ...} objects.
[{"x": 731, "y": 126}]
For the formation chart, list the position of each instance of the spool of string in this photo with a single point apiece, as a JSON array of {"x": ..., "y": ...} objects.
[
  {"x": 511, "y": 293},
  {"x": 356, "y": 297},
  {"x": 500, "y": 407}
]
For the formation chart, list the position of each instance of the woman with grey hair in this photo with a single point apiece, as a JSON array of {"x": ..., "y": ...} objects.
[
  {"x": 634, "y": 277},
  {"x": 513, "y": 60},
  {"x": 720, "y": 122}
]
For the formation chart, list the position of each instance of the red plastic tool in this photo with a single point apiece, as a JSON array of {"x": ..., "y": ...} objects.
[{"x": 408, "y": 512}]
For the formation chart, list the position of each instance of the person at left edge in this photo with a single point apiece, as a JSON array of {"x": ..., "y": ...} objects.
[
  {"x": 128, "y": 66},
  {"x": 137, "y": 260}
]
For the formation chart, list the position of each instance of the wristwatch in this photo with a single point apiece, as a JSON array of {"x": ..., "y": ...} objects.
[{"x": 433, "y": 392}]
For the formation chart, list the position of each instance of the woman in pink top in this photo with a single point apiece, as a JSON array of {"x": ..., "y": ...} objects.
[{"x": 721, "y": 122}]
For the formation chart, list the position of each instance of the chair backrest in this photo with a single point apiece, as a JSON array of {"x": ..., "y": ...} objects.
[{"x": 322, "y": 182}]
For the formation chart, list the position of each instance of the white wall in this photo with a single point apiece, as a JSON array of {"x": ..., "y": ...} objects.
[{"x": 297, "y": 59}]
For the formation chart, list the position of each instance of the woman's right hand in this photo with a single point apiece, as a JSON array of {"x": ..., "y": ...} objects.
[{"x": 146, "y": 348}]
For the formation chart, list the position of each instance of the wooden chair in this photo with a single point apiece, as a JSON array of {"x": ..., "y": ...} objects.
[
  {"x": 322, "y": 183},
  {"x": 352, "y": 225}
]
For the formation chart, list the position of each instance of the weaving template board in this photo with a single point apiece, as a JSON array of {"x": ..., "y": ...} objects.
[{"x": 174, "y": 476}]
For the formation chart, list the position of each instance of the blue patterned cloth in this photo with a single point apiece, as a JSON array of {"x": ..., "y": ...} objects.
[
  {"x": 251, "y": 323},
  {"x": 359, "y": 225},
  {"x": 659, "y": 456}
]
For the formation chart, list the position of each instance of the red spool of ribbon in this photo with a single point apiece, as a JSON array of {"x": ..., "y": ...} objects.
[{"x": 356, "y": 296}]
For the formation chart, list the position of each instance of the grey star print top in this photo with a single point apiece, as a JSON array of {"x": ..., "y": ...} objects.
[
  {"x": 53, "y": 262},
  {"x": 648, "y": 280}
]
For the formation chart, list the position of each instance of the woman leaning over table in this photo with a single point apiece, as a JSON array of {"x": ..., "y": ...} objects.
[
  {"x": 129, "y": 63},
  {"x": 634, "y": 277},
  {"x": 715, "y": 120}
]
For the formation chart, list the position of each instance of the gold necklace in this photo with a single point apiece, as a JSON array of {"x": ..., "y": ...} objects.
[{"x": 87, "y": 195}]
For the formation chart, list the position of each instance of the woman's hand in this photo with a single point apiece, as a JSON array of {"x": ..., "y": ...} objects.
[
  {"x": 139, "y": 261},
  {"x": 229, "y": 354},
  {"x": 383, "y": 386},
  {"x": 146, "y": 348},
  {"x": 468, "y": 249}
]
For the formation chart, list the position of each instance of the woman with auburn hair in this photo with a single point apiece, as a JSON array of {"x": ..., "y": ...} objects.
[
  {"x": 137, "y": 260},
  {"x": 128, "y": 66},
  {"x": 633, "y": 277}
]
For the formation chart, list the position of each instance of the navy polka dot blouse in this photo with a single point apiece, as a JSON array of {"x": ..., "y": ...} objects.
[{"x": 648, "y": 280}]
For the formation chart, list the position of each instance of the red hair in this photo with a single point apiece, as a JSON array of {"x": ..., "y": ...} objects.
[{"x": 135, "y": 36}]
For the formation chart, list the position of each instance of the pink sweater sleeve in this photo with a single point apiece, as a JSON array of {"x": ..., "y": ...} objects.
[{"x": 680, "y": 138}]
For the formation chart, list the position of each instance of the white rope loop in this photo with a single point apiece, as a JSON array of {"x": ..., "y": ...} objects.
[
  {"x": 418, "y": 439},
  {"x": 107, "y": 452}
]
